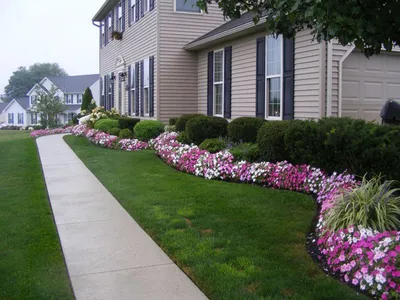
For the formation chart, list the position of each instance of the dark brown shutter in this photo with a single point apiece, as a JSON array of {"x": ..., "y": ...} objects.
[
  {"x": 129, "y": 90},
  {"x": 210, "y": 83},
  {"x": 141, "y": 88},
  {"x": 151, "y": 4},
  {"x": 137, "y": 93},
  {"x": 227, "y": 81},
  {"x": 130, "y": 12},
  {"x": 260, "y": 78},
  {"x": 288, "y": 79},
  {"x": 112, "y": 90},
  {"x": 123, "y": 14},
  {"x": 151, "y": 86},
  {"x": 137, "y": 9}
]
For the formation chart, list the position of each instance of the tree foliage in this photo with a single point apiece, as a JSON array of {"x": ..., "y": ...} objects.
[
  {"x": 87, "y": 101},
  {"x": 23, "y": 79},
  {"x": 49, "y": 105},
  {"x": 367, "y": 24}
]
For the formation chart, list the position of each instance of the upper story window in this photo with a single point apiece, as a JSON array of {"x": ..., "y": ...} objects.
[
  {"x": 146, "y": 5},
  {"x": 102, "y": 33},
  {"x": 110, "y": 25},
  {"x": 218, "y": 82},
  {"x": 34, "y": 99},
  {"x": 79, "y": 98},
  {"x": 273, "y": 76},
  {"x": 187, "y": 6},
  {"x": 132, "y": 12},
  {"x": 68, "y": 99},
  {"x": 119, "y": 15}
]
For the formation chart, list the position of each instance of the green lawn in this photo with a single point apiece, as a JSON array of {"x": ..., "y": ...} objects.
[
  {"x": 31, "y": 261},
  {"x": 235, "y": 241}
]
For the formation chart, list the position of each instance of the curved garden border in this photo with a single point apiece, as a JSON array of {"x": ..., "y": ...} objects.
[{"x": 363, "y": 258}]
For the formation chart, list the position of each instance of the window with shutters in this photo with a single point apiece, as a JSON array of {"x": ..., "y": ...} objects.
[
  {"x": 68, "y": 99},
  {"x": 132, "y": 12},
  {"x": 133, "y": 89},
  {"x": 33, "y": 118},
  {"x": 145, "y": 5},
  {"x": 187, "y": 6},
  {"x": 70, "y": 116},
  {"x": 119, "y": 21},
  {"x": 218, "y": 82},
  {"x": 110, "y": 25},
  {"x": 10, "y": 118},
  {"x": 273, "y": 74},
  {"x": 21, "y": 118},
  {"x": 146, "y": 85}
]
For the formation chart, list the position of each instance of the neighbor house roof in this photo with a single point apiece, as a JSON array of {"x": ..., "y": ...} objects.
[
  {"x": 104, "y": 10},
  {"x": 3, "y": 105},
  {"x": 74, "y": 84},
  {"x": 230, "y": 28},
  {"x": 24, "y": 102}
]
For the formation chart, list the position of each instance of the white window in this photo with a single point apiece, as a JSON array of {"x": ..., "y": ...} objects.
[
  {"x": 187, "y": 6},
  {"x": 10, "y": 118},
  {"x": 218, "y": 82},
  {"x": 132, "y": 91},
  {"x": 110, "y": 25},
  {"x": 146, "y": 81},
  {"x": 79, "y": 98},
  {"x": 70, "y": 116},
  {"x": 33, "y": 100},
  {"x": 33, "y": 118},
  {"x": 21, "y": 118},
  {"x": 274, "y": 81},
  {"x": 69, "y": 99},
  {"x": 133, "y": 12},
  {"x": 119, "y": 24},
  {"x": 146, "y": 5}
]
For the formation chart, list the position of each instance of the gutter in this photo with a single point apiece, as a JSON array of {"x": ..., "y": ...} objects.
[
  {"x": 341, "y": 77},
  {"x": 329, "y": 80},
  {"x": 93, "y": 22},
  {"x": 197, "y": 45}
]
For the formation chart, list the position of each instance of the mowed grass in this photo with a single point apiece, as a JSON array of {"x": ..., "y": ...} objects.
[
  {"x": 31, "y": 261},
  {"x": 235, "y": 241}
]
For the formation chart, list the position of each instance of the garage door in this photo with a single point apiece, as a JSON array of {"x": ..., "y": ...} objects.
[{"x": 368, "y": 83}]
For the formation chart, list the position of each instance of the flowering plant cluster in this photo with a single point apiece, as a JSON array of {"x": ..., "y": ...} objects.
[
  {"x": 362, "y": 257},
  {"x": 43, "y": 132},
  {"x": 97, "y": 114}
]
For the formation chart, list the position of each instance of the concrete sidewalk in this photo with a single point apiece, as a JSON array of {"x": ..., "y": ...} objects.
[{"x": 108, "y": 255}]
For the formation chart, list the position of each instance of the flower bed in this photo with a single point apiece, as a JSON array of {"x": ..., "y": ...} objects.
[
  {"x": 363, "y": 258},
  {"x": 43, "y": 132}
]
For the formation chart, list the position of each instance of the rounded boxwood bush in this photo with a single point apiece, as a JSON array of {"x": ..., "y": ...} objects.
[
  {"x": 125, "y": 134},
  {"x": 213, "y": 145},
  {"x": 148, "y": 129},
  {"x": 200, "y": 128},
  {"x": 270, "y": 140},
  {"x": 106, "y": 124},
  {"x": 115, "y": 131},
  {"x": 246, "y": 151},
  {"x": 172, "y": 121},
  {"x": 244, "y": 129},
  {"x": 127, "y": 122},
  {"x": 182, "y": 120}
]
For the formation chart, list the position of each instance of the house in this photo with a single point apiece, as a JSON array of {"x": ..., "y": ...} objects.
[
  {"x": 166, "y": 58},
  {"x": 70, "y": 88}
]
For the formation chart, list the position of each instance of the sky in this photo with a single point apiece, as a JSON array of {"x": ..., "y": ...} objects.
[{"x": 49, "y": 31}]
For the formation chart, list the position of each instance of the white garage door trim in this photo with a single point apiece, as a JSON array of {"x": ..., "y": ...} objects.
[{"x": 348, "y": 52}]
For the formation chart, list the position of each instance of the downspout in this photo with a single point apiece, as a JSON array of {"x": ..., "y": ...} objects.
[
  {"x": 341, "y": 77},
  {"x": 329, "y": 80},
  {"x": 93, "y": 22}
]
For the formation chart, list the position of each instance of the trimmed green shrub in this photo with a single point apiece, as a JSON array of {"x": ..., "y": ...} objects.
[
  {"x": 169, "y": 128},
  {"x": 246, "y": 151},
  {"x": 244, "y": 129},
  {"x": 126, "y": 122},
  {"x": 75, "y": 120},
  {"x": 148, "y": 129},
  {"x": 115, "y": 131},
  {"x": 125, "y": 133},
  {"x": 87, "y": 101},
  {"x": 200, "y": 128},
  {"x": 106, "y": 124},
  {"x": 213, "y": 145},
  {"x": 182, "y": 138},
  {"x": 270, "y": 140},
  {"x": 180, "y": 123},
  {"x": 172, "y": 121},
  {"x": 373, "y": 205}
]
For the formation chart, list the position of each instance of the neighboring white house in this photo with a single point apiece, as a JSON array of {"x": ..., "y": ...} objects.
[
  {"x": 2, "y": 115},
  {"x": 70, "y": 88}
]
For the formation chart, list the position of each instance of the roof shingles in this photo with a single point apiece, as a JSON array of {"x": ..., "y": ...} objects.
[{"x": 74, "y": 84}]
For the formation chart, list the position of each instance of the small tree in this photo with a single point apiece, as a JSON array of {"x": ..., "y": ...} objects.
[
  {"x": 49, "y": 105},
  {"x": 87, "y": 100}
]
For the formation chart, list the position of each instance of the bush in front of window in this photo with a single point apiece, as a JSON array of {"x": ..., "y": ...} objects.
[
  {"x": 246, "y": 151},
  {"x": 244, "y": 129},
  {"x": 125, "y": 133},
  {"x": 213, "y": 145},
  {"x": 172, "y": 121},
  {"x": 148, "y": 129},
  {"x": 105, "y": 125},
  {"x": 180, "y": 123},
  {"x": 204, "y": 127},
  {"x": 126, "y": 122},
  {"x": 115, "y": 131},
  {"x": 271, "y": 141}
]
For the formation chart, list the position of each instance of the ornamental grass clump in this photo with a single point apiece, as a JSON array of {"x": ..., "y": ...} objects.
[{"x": 373, "y": 204}]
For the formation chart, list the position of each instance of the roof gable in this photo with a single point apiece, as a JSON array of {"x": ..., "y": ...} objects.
[
  {"x": 74, "y": 84},
  {"x": 22, "y": 102}
]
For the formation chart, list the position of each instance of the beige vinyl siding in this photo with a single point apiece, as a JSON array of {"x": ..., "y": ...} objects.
[
  {"x": 139, "y": 41},
  {"x": 309, "y": 77},
  {"x": 178, "y": 67},
  {"x": 243, "y": 76}
]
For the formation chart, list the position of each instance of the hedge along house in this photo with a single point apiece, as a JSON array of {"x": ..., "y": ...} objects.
[{"x": 166, "y": 58}]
